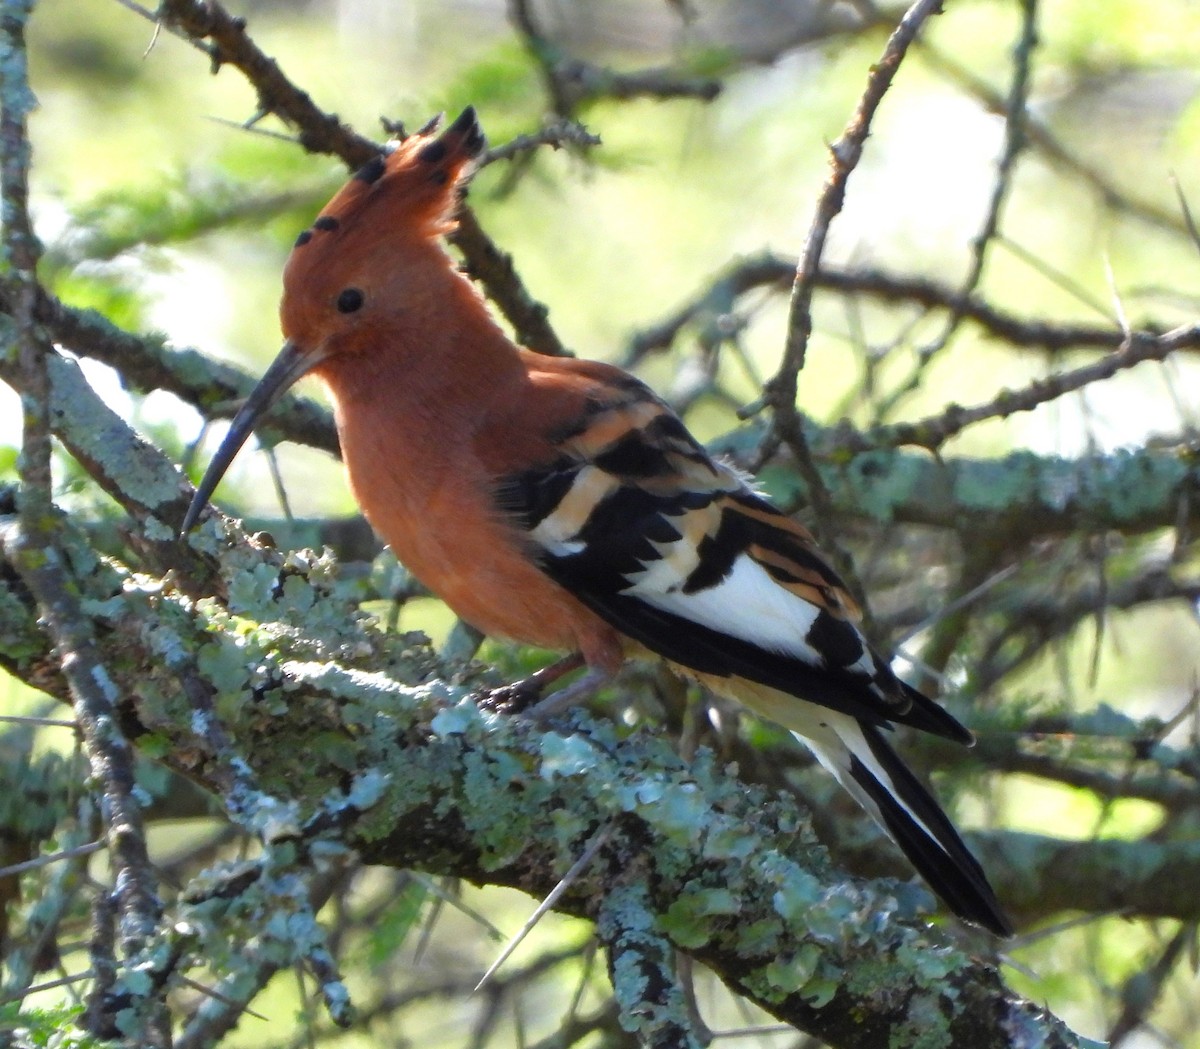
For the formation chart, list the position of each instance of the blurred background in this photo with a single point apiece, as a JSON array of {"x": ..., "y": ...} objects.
[{"x": 165, "y": 206}]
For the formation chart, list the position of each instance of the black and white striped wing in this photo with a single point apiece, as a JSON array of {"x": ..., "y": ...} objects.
[{"x": 676, "y": 551}]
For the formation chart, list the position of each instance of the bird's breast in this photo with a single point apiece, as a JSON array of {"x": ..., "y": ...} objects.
[{"x": 427, "y": 493}]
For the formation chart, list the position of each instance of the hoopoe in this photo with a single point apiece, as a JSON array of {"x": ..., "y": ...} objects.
[{"x": 558, "y": 502}]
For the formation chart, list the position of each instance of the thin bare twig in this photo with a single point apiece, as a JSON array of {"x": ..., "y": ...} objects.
[
  {"x": 23, "y": 719},
  {"x": 321, "y": 132},
  {"x": 571, "y": 81},
  {"x": 780, "y": 392},
  {"x": 49, "y": 985},
  {"x": 935, "y": 430},
  {"x": 557, "y": 134},
  {"x": 1014, "y": 141},
  {"x": 56, "y": 857},
  {"x": 1186, "y": 211}
]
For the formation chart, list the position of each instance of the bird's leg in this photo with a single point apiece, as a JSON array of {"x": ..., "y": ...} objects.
[
  {"x": 520, "y": 695},
  {"x": 570, "y": 694}
]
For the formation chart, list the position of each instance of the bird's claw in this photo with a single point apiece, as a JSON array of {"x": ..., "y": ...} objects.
[{"x": 511, "y": 699}]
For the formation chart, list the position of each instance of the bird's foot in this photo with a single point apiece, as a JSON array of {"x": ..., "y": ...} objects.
[
  {"x": 511, "y": 699},
  {"x": 569, "y": 695},
  {"x": 526, "y": 693}
]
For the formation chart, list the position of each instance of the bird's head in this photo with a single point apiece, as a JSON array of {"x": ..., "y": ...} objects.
[{"x": 366, "y": 253}]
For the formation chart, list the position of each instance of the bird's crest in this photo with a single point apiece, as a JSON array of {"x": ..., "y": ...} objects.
[{"x": 411, "y": 187}]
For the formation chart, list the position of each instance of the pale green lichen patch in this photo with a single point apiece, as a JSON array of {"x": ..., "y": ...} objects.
[
  {"x": 489, "y": 781},
  {"x": 1135, "y": 483},
  {"x": 564, "y": 756},
  {"x": 675, "y": 810},
  {"x": 791, "y": 973},
  {"x": 455, "y": 720},
  {"x": 253, "y": 592},
  {"x": 925, "y": 1027},
  {"x": 759, "y": 938},
  {"x": 157, "y": 531},
  {"x": 97, "y": 434},
  {"x": 991, "y": 486},
  {"x": 224, "y": 664},
  {"x": 797, "y": 891},
  {"x": 689, "y": 920},
  {"x": 20, "y": 639}
]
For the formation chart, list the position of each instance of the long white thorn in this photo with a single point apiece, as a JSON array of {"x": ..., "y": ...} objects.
[{"x": 551, "y": 899}]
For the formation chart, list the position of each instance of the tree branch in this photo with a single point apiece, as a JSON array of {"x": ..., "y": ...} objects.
[
  {"x": 322, "y": 132},
  {"x": 719, "y": 299},
  {"x": 731, "y": 875}
]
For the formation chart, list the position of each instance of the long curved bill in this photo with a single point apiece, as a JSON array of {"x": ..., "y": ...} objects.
[{"x": 285, "y": 370}]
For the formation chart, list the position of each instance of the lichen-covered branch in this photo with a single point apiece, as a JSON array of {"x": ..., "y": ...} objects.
[
  {"x": 31, "y": 546},
  {"x": 137, "y": 475},
  {"x": 147, "y": 363},
  {"x": 730, "y": 875},
  {"x": 1003, "y": 502}
]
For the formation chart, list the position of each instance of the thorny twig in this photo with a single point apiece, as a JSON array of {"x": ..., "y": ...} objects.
[
  {"x": 547, "y": 904},
  {"x": 321, "y": 132},
  {"x": 777, "y": 273},
  {"x": 1014, "y": 142},
  {"x": 780, "y": 392},
  {"x": 572, "y": 82}
]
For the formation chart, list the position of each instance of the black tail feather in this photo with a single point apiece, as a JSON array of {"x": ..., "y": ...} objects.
[{"x": 930, "y": 841}]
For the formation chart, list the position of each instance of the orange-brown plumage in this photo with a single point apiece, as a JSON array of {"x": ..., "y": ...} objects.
[
  {"x": 558, "y": 502},
  {"x": 423, "y": 467}
]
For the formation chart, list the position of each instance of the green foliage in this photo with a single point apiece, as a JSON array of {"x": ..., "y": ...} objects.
[
  {"x": 55, "y": 1028},
  {"x": 391, "y": 929},
  {"x": 504, "y": 80}
]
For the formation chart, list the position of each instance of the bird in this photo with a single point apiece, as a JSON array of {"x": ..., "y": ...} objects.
[{"x": 558, "y": 502}]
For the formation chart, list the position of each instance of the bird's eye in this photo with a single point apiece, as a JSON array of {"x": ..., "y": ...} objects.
[{"x": 349, "y": 300}]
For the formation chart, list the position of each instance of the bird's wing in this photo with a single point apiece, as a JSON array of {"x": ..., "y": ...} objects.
[{"x": 675, "y": 550}]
